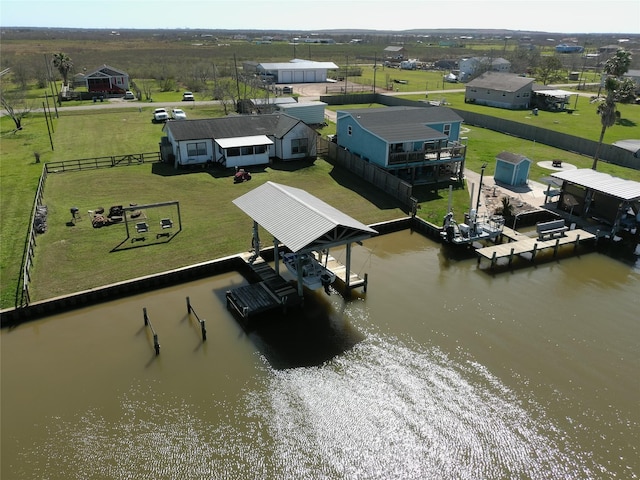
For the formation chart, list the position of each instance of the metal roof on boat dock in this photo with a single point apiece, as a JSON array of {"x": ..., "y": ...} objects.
[
  {"x": 300, "y": 220},
  {"x": 601, "y": 182}
]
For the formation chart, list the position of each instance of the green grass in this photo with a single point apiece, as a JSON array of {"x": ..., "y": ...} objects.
[
  {"x": 70, "y": 258},
  {"x": 83, "y": 257}
]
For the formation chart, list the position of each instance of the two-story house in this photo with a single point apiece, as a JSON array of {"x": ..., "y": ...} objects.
[{"x": 420, "y": 144}]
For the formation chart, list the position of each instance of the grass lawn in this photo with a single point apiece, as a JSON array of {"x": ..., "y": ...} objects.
[
  {"x": 77, "y": 256},
  {"x": 73, "y": 257}
]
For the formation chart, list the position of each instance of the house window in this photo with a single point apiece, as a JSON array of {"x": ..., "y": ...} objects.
[
  {"x": 447, "y": 129},
  {"x": 260, "y": 149},
  {"x": 246, "y": 151},
  {"x": 299, "y": 145},
  {"x": 233, "y": 152},
  {"x": 525, "y": 94},
  {"x": 196, "y": 149},
  {"x": 349, "y": 130}
]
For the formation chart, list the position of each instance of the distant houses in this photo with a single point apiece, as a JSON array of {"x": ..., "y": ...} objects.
[{"x": 473, "y": 66}]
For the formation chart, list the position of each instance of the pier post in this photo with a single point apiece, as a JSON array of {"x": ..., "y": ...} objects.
[
  {"x": 493, "y": 259},
  {"x": 188, "y": 305},
  {"x": 555, "y": 247},
  {"x": 366, "y": 281},
  {"x": 511, "y": 256},
  {"x": 147, "y": 323},
  {"x": 534, "y": 251},
  {"x": 204, "y": 330},
  {"x": 575, "y": 247}
]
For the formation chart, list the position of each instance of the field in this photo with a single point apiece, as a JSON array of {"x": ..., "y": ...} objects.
[{"x": 76, "y": 256}]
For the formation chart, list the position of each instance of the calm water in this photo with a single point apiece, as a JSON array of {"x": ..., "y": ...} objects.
[{"x": 442, "y": 371}]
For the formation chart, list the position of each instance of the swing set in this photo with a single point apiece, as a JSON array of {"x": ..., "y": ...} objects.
[{"x": 144, "y": 227}]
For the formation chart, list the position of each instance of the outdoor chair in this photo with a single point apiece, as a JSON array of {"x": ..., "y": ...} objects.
[
  {"x": 142, "y": 227},
  {"x": 165, "y": 223}
]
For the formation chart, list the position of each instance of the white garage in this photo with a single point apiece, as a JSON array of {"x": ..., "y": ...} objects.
[{"x": 297, "y": 71}]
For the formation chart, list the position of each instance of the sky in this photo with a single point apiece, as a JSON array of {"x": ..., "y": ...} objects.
[{"x": 562, "y": 16}]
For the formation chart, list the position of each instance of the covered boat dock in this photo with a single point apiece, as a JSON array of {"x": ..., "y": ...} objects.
[
  {"x": 610, "y": 201},
  {"x": 300, "y": 223}
]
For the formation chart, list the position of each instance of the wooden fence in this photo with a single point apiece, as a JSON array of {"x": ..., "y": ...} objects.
[
  {"x": 383, "y": 180},
  {"x": 101, "y": 162},
  {"x": 38, "y": 206},
  {"x": 30, "y": 244}
]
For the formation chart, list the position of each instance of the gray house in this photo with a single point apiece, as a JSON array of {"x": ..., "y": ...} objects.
[
  {"x": 498, "y": 89},
  {"x": 237, "y": 141}
]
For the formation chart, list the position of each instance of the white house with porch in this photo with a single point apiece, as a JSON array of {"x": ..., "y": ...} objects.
[{"x": 237, "y": 141}]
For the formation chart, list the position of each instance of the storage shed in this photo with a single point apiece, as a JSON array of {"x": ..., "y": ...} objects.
[
  {"x": 512, "y": 169},
  {"x": 311, "y": 113}
]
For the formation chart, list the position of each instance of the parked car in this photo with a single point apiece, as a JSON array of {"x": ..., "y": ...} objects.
[
  {"x": 128, "y": 95},
  {"x": 188, "y": 97},
  {"x": 160, "y": 115},
  {"x": 178, "y": 114}
]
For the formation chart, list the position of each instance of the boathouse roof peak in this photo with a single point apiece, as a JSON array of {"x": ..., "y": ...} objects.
[{"x": 300, "y": 220}]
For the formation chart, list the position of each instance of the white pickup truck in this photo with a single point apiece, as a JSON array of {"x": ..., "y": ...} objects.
[{"x": 160, "y": 115}]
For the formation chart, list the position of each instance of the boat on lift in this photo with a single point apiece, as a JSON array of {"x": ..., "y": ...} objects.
[
  {"x": 474, "y": 229},
  {"x": 314, "y": 274}
]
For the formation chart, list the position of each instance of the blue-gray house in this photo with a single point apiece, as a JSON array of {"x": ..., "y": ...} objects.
[
  {"x": 419, "y": 144},
  {"x": 512, "y": 169}
]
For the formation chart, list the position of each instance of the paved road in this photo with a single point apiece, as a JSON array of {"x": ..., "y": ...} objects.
[{"x": 307, "y": 92}]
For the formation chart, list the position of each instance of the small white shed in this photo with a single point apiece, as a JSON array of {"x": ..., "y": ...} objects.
[{"x": 311, "y": 113}]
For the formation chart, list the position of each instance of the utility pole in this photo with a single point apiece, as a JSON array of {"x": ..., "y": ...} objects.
[{"x": 484, "y": 165}]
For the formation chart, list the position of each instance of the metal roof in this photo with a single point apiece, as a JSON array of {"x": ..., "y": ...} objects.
[
  {"x": 232, "y": 126},
  {"x": 244, "y": 141},
  {"x": 403, "y": 124},
  {"x": 602, "y": 182},
  {"x": 508, "y": 82},
  {"x": 298, "y": 65},
  {"x": 553, "y": 92},
  {"x": 298, "y": 219}
]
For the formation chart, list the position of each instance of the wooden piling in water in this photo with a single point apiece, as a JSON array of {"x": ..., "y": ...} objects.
[
  {"x": 203, "y": 328},
  {"x": 147, "y": 323}
]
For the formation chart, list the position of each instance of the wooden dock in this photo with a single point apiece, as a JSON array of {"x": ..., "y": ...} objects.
[
  {"x": 270, "y": 292},
  {"x": 522, "y": 244},
  {"x": 340, "y": 271}
]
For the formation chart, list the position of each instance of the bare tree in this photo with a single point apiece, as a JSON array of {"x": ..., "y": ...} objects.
[{"x": 16, "y": 106}]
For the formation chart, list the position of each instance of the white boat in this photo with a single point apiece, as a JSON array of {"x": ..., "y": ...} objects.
[
  {"x": 314, "y": 275},
  {"x": 478, "y": 229}
]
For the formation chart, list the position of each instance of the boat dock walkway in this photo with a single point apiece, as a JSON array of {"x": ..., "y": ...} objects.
[
  {"x": 340, "y": 271},
  {"x": 522, "y": 244},
  {"x": 270, "y": 292}
]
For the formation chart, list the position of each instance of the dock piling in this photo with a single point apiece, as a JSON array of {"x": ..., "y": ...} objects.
[
  {"x": 203, "y": 328},
  {"x": 147, "y": 323}
]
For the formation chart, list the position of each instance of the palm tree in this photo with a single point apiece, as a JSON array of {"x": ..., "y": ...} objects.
[
  {"x": 615, "y": 68},
  {"x": 608, "y": 116},
  {"x": 619, "y": 64},
  {"x": 64, "y": 65}
]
